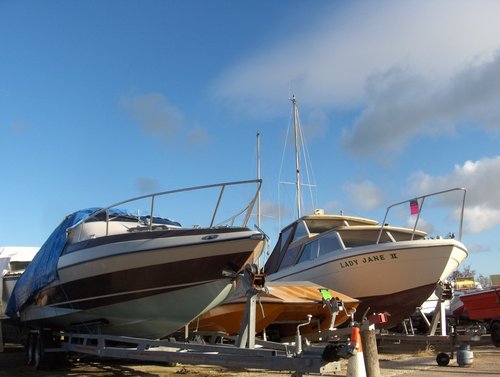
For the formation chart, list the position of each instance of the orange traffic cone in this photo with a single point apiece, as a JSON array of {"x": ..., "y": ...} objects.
[{"x": 356, "y": 363}]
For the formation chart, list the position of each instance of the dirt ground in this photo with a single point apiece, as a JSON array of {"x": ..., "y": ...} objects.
[
  {"x": 13, "y": 364},
  {"x": 410, "y": 360}
]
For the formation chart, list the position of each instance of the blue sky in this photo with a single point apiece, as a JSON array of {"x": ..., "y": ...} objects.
[{"x": 104, "y": 100}]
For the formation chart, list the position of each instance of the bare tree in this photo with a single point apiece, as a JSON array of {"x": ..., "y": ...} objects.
[{"x": 466, "y": 271}]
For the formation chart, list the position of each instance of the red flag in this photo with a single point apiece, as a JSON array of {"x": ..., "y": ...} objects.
[{"x": 414, "y": 207}]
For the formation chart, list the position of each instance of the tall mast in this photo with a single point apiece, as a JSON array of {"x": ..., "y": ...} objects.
[
  {"x": 297, "y": 163},
  {"x": 258, "y": 176}
]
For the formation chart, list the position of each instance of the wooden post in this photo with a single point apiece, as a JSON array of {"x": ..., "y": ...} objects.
[{"x": 370, "y": 352}]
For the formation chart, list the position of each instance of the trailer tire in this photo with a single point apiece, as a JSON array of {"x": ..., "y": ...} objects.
[
  {"x": 31, "y": 341},
  {"x": 443, "y": 359},
  {"x": 39, "y": 353},
  {"x": 43, "y": 360},
  {"x": 495, "y": 333}
]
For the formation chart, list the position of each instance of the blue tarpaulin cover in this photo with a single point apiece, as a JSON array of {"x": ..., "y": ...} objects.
[{"x": 43, "y": 269}]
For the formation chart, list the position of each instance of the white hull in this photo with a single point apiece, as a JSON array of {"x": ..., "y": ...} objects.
[
  {"x": 381, "y": 269},
  {"x": 119, "y": 256},
  {"x": 169, "y": 285},
  {"x": 108, "y": 271},
  {"x": 387, "y": 278},
  {"x": 144, "y": 318},
  {"x": 389, "y": 268}
]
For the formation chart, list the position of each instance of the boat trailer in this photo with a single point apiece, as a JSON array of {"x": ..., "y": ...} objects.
[
  {"x": 440, "y": 330},
  {"x": 46, "y": 346}
]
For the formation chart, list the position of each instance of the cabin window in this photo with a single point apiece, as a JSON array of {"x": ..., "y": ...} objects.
[
  {"x": 310, "y": 252},
  {"x": 353, "y": 238},
  {"x": 290, "y": 257},
  {"x": 284, "y": 239},
  {"x": 355, "y": 242},
  {"x": 301, "y": 231},
  {"x": 328, "y": 243},
  {"x": 282, "y": 245},
  {"x": 320, "y": 246}
]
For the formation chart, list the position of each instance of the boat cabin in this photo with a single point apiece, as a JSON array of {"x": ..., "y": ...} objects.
[
  {"x": 314, "y": 236},
  {"x": 99, "y": 226}
]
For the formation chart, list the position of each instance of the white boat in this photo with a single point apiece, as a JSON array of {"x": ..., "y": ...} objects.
[
  {"x": 390, "y": 269},
  {"x": 13, "y": 262},
  {"x": 452, "y": 305},
  {"x": 104, "y": 270}
]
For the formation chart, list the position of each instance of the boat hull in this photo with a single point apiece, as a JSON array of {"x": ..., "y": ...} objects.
[
  {"x": 482, "y": 304},
  {"x": 393, "y": 278},
  {"x": 283, "y": 308},
  {"x": 154, "y": 316},
  {"x": 174, "y": 280}
]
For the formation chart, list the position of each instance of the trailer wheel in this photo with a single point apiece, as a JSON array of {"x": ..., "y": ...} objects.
[
  {"x": 443, "y": 359},
  {"x": 43, "y": 360},
  {"x": 495, "y": 333},
  {"x": 39, "y": 353},
  {"x": 30, "y": 348}
]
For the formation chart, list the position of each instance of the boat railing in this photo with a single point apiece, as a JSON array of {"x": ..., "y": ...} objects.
[
  {"x": 418, "y": 204},
  {"x": 246, "y": 211}
]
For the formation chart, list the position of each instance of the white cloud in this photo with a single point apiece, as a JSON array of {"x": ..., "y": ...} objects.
[
  {"x": 333, "y": 206},
  {"x": 364, "y": 194},
  {"x": 155, "y": 115},
  {"x": 19, "y": 126},
  {"x": 271, "y": 210},
  {"x": 315, "y": 125},
  {"x": 422, "y": 224},
  {"x": 481, "y": 179},
  {"x": 481, "y": 217},
  {"x": 478, "y": 248},
  {"x": 327, "y": 63},
  {"x": 158, "y": 117},
  {"x": 401, "y": 104},
  {"x": 148, "y": 185},
  {"x": 198, "y": 136}
]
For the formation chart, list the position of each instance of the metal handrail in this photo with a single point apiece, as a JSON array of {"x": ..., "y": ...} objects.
[
  {"x": 217, "y": 205},
  {"x": 153, "y": 196},
  {"x": 422, "y": 200}
]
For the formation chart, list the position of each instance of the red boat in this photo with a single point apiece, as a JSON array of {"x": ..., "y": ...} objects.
[{"x": 484, "y": 306}]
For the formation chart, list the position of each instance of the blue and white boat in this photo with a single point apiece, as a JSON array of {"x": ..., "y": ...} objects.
[{"x": 105, "y": 270}]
